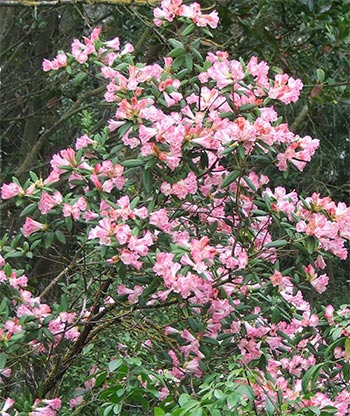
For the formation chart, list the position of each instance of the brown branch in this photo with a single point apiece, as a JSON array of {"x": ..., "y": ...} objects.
[
  {"x": 76, "y": 108},
  {"x": 300, "y": 118},
  {"x": 35, "y": 3},
  {"x": 63, "y": 272}
]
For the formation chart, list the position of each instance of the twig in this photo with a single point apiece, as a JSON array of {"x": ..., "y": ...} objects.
[
  {"x": 300, "y": 118},
  {"x": 42, "y": 140},
  {"x": 58, "y": 277}
]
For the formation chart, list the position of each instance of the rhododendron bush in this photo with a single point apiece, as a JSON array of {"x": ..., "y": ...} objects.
[{"x": 190, "y": 280}]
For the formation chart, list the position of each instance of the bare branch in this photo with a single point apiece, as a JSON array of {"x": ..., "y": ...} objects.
[{"x": 39, "y": 144}]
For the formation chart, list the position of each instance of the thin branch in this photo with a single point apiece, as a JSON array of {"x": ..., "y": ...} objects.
[
  {"x": 58, "y": 277},
  {"x": 300, "y": 118},
  {"x": 43, "y": 138}
]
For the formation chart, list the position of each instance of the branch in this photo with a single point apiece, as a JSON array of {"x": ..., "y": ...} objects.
[
  {"x": 42, "y": 140},
  {"x": 35, "y": 3},
  {"x": 300, "y": 118},
  {"x": 63, "y": 272}
]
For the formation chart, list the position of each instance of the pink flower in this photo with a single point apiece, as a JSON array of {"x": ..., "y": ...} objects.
[
  {"x": 47, "y": 66},
  {"x": 5, "y": 372},
  {"x": 133, "y": 294},
  {"x": 94, "y": 34},
  {"x": 329, "y": 314},
  {"x": 7, "y": 405},
  {"x": 51, "y": 408},
  {"x": 18, "y": 282},
  {"x": 47, "y": 202},
  {"x": 160, "y": 219},
  {"x": 286, "y": 89},
  {"x": 128, "y": 48},
  {"x": 193, "y": 367},
  {"x": 30, "y": 226},
  {"x": 10, "y": 190},
  {"x": 193, "y": 11},
  {"x": 131, "y": 258},
  {"x": 168, "y": 11},
  {"x": 220, "y": 309},
  {"x": 114, "y": 44},
  {"x": 320, "y": 283},
  {"x": 76, "y": 401},
  {"x": 83, "y": 141},
  {"x": 53, "y": 403},
  {"x": 60, "y": 61}
]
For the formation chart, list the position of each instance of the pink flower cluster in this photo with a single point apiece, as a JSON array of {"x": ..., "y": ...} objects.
[
  {"x": 46, "y": 407},
  {"x": 328, "y": 222},
  {"x": 26, "y": 305},
  {"x": 60, "y": 61},
  {"x": 81, "y": 51},
  {"x": 172, "y": 9}
]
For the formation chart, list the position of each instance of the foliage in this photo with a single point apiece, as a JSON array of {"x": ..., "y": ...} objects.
[{"x": 189, "y": 284}]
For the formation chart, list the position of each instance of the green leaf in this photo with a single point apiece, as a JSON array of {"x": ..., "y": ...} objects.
[
  {"x": 184, "y": 398},
  {"x": 124, "y": 128},
  {"x": 14, "y": 255},
  {"x": 147, "y": 180},
  {"x": 347, "y": 347},
  {"x": 320, "y": 74},
  {"x": 132, "y": 163},
  {"x": 117, "y": 408},
  {"x": 189, "y": 62},
  {"x": 33, "y": 176},
  {"x": 175, "y": 53},
  {"x": 219, "y": 394},
  {"x": 208, "y": 340},
  {"x": 113, "y": 365},
  {"x": 108, "y": 410},
  {"x": 8, "y": 270},
  {"x": 60, "y": 237},
  {"x": 28, "y": 210},
  {"x": 158, "y": 411},
  {"x": 269, "y": 407},
  {"x": 246, "y": 107},
  {"x": 276, "y": 243},
  {"x": 69, "y": 223},
  {"x": 258, "y": 212},
  {"x": 3, "y": 359},
  {"x": 250, "y": 183},
  {"x": 188, "y": 30},
  {"x": 182, "y": 74},
  {"x": 197, "y": 54},
  {"x": 178, "y": 62},
  {"x": 175, "y": 43},
  {"x": 48, "y": 334},
  {"x": 100, "y": 379},
  {"x": 314, "y": 410},
  {"x": 310, "y": 377},
  {"x": 79, "y": 78},
  {"x": 231, "y": 177},
  {"x": 49, "y": 239}
]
